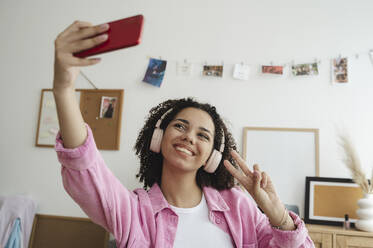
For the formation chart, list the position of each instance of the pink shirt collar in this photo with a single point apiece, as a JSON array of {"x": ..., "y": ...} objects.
[{"x": 214, "y": 200}]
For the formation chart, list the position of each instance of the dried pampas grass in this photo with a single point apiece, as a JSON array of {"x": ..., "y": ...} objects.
[{"x": 352, "y": 162}]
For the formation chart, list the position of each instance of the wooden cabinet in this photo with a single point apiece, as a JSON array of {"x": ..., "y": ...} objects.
[
  {"x": 337, "y": 237},
  {"x": 322, "y": 240}
]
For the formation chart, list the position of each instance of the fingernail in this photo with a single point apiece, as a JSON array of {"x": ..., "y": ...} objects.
[
  {"x": 104, "y": 26},
  {"x": 103, "y": 37}
]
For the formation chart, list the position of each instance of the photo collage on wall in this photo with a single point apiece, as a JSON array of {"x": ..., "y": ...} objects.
[{"x": 157, "y": 68}]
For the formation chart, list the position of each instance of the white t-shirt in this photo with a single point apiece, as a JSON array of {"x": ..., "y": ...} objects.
[{"x": 194, "y": 229}]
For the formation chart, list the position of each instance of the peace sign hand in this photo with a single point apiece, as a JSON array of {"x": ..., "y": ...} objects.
[{"x": 260, "y": 187}]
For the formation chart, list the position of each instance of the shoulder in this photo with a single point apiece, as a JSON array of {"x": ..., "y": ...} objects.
[
  {"x": 153, "y": 197},
  {"x": 141, "y": 193}
]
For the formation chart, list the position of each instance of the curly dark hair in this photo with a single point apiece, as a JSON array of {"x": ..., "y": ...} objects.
[{"x": 151, "y": 163}]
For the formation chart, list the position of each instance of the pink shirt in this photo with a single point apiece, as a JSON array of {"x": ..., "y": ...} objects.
[{"x": 142, "y": 218}]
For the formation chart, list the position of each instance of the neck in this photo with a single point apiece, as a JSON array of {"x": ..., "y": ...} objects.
[{"x": 180, "y": 188}]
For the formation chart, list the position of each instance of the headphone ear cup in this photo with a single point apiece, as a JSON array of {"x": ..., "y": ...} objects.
[
  {"x": 155, "y": 143},
  {"x": 213, "y": 162}
]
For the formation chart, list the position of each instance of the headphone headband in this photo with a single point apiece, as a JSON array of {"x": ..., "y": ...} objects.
[{"x": 159, "y": 122}]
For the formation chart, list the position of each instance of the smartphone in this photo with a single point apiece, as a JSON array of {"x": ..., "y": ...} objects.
[{"x": 122, "y": 33}]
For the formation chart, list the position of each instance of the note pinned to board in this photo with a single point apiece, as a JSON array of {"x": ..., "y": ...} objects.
[
  {"x": 184, "y": 68},
  {"x": 241, "y": 72}
]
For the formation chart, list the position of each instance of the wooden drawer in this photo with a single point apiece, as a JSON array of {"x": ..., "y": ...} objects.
[{"x": 344, "y": 241}]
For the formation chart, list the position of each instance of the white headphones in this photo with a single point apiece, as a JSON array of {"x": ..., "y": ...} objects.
[{"x": 212, "y": 163}]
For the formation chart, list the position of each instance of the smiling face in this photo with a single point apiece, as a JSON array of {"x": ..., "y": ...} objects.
[{"x": 188, "y": 140}]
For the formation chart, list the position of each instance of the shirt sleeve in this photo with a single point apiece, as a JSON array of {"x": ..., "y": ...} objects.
[
  {"x": 269, "y": 236},
  {"x": 95, "y": 189}
]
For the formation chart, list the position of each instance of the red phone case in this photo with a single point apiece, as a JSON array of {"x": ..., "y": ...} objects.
[{"x": 121, "y": 34}]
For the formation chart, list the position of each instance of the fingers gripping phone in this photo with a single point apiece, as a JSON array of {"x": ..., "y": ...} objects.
[{"x": 122, "y": 33}]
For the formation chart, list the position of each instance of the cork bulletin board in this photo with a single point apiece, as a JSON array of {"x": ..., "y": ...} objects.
[
  {"x": 100, "y": 108},
  {"x": 106, "y": 130},
  {"x": 329, "y": 199}
]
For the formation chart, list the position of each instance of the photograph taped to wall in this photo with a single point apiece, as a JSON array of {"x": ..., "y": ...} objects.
[
  {"x": 280, "y": 152},
  {"x": 329, "y": 199},
  {"x": 339, "y": 70},
  {"x": 305, "y": 69},
  {"x": 155, "y": 72},
  {"x": 213, "y": 70},
  {"x": 269, "y": 69},
  {"x": 107, "y": 108}
]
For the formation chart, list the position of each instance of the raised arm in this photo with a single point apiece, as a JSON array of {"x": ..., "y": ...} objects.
[
  {"x": 85, "y": 176},
  {"x": 76, "y": 37}
]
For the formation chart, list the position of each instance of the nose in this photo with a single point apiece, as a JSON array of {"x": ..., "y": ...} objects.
[{"x": 188, "y": 136}]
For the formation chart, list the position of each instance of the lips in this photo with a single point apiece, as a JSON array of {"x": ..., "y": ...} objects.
[{"x": 185, "y": 149}]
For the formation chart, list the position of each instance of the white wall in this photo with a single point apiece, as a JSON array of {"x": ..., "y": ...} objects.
[{"x": 213, "y": 31}]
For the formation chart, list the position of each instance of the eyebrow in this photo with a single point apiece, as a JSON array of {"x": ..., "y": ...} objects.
[{"x": 187, "y": 122}]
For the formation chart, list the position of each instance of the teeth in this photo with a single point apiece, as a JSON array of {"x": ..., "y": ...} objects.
[{"x": 184, "y": 150}]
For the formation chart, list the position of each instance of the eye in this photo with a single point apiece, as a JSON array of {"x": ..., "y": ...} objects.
[
  {"x": 179, "y": 126},
  {"x": 204, "y": 136}
]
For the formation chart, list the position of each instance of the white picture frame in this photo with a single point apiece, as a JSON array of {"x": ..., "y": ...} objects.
[
  {"x": 287, "y": 155},
  {"x": 48, "y": 125}
]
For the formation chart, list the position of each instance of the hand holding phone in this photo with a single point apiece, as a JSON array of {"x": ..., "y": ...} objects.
[
  {"x": 122, "y": 33},
  {"x": 76, "y": 37}
]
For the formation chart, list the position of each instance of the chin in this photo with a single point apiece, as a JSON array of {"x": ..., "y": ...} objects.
[{"x": 182, "y": 166}]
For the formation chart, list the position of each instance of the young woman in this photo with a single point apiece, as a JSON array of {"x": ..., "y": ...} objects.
[{"x": 187, "y": 159}]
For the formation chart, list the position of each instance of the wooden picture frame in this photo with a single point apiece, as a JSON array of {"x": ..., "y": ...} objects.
[
  {"x": 329, "y": 199},
  {"x": 63, "y": 231},
  {"x": 106, "y": 131},
  {"x": 287, "y": 155}
]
